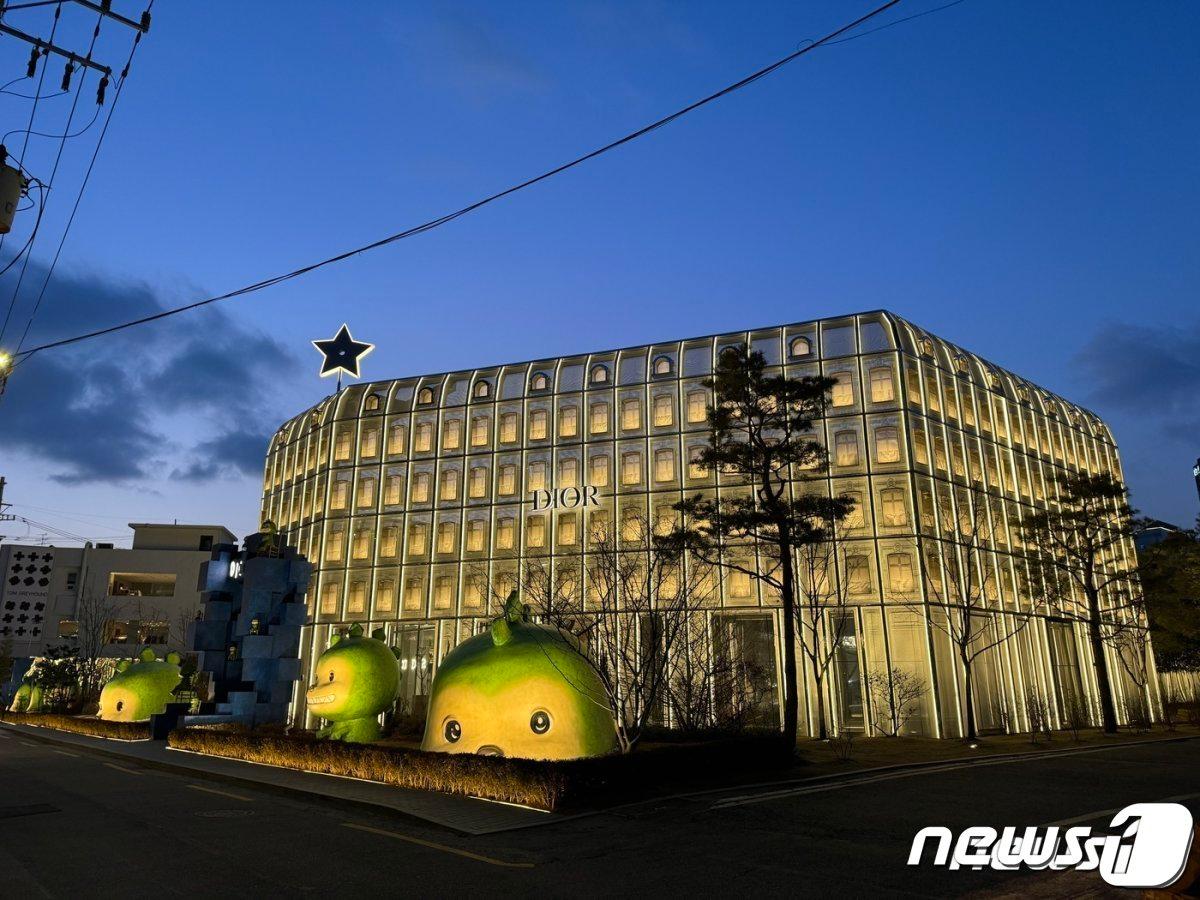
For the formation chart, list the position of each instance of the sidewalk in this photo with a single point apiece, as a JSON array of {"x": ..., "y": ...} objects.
[{"x": 466, "y": 815}]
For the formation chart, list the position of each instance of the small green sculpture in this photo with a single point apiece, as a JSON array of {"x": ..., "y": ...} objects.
[
  {"x": 28, "y": 697},
  {"x": 357, "y": 678},
  {"x": 521, "y": 690},
  {"x": 140, "y": 689}
]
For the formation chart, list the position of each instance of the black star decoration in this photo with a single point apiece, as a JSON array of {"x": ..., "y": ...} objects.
[{"x": 342, "y": 353}]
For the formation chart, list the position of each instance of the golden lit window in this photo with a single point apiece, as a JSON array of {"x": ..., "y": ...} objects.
[
  {"x": 414, "y": 592},
  {"x": 662, "y": 365},
  {"x": 939, "y": 452},
  {"x": 664, "y": 465},
  {"x": 369, "y": 444},
  {"x": 664, "y": 410},
  {"x": 887, "y": 444},
  {"x": 858, "y": 575},
  {"x": 696, "y": 467},
  {"x": 341, "y": 446},
  {"x": 508, "y": 428},
  {"x": 335, "y": 545},
  {"x": 393, "y": 489},
  {"x": 920, "y": 451},
  {"x": 697, "y": 406},
  {"x": 482, "y": 389},
  {"x": 329, "y": 598},
  {"x": 424, "y": 437},
  {"x": 452, "y": 434},
  {"x": 366, "y": 491},
  {"x": 739, "y": 585},
  {"x": 883, "y": 385},
  {"x": 631, "y": 414},
  {"x": 631, "y": 468},
  {"x": 799, "y": 346},
  {"x": 932, "y": 397},
  {"x": 537, "y": 476},
  {"x": 598, "y": 416},
  {"x": 845, "y": 448},
  {"x": 568, "y": 473},
  {"x": 538, "y": 424},
  {"x": 893, "y": 509},
  {"x": 506, "y": 529},
  {"x": 357, "y": 601},
  {"x": 598, "y": 374},
  {"x": 446, "y": 535},
  {"x": 568, "y": 421},
  {"x": 421, "y": 484},
  {"x": 900, "y": 572},
  {"x": 599, "y": 525},
  {"x": 631, "y": 525},
  {"x": 448, "y": 485},
  {"x": 424, "y": 396},
  {"x": 389, "y": 541},
  {"x": 397, "y": 438},
  {"x": 443, "y": 592},
  {"x": 477, "y": 482},
  {"x": 340, "y": 495},
  {"x": 508, "y": 480},
  {"x": 418, "y": 538},
  {"x": 385, "y": 595},
  {"x": 479, "y": 431},
  {"x": 539, "y": 382},
  {"x": 854, "y": 519},
  {"x": 535, "y": 531},
  {"x": 371, "y": 404},
  {"x": 475, "y": 533},
  {"x": 598, "y": 471},
  {"x": 842, "y": 393},
  {"x": 568, "y": 529}
]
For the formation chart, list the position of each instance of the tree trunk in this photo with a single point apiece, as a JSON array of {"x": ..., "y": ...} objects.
[
  {"x": 822, "y": 731},
  {"x": 1108, "y": 709},
  {"x": 970, "y": 697},
  {"x": 791, "y": 688}
]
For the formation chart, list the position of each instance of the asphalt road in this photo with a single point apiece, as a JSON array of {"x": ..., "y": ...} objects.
[{"x": 73, "y": 824}]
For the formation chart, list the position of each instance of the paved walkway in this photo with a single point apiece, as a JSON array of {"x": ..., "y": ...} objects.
[{"x": 467, "y": 815}]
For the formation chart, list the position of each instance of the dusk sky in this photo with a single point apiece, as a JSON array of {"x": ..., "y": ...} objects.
[{"x": 1020, "y": 178}]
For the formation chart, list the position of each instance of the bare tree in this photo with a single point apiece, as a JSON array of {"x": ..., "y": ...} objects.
[
  {"x": 822, "y": 601},
  {"x": 896, "y": 696},
  {"x": 962, "y": 588},
  {"x": 96, "y": 620}
]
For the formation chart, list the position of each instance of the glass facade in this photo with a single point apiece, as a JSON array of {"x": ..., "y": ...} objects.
[{"x": 415, "y": 499}]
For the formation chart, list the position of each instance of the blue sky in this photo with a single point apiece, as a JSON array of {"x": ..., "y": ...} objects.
[{"x": 1018, "y": 177}]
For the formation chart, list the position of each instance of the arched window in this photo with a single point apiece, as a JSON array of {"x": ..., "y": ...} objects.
[
  {"x": 960, "y": 363},
  {"x": 926, "y": 346},
  {"x": 372, "y": 403},
  {"x": 425, "y": 396},
  {"x": 799, "y": 346},
  {"x": 662, "y": 365},
  {"x": 599, "y": 374},
  {"x": 539, "y": 382},
  {"x": 483, "y": 388}
]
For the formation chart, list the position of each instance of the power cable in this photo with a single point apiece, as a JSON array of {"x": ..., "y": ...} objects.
[
  {"x": 53, "y": 172},
  {"x": 37, "y": 223},
  {"x": 137, "y": 40},
  {"x": 83, "y": 130},
  {"x": 21, "y": 357}
]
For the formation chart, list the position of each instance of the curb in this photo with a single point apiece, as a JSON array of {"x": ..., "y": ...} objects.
[{"x": 236, "y": 780}]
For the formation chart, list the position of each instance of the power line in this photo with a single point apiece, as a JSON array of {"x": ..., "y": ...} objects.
[
  {"x": 137, "y": 40},
  {"x": 21, "y": 357}
]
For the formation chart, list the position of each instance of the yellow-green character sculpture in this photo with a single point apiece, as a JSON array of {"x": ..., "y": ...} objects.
[
  {"x": 141, "y": 688},
  {"x": 357, "y": 678},
  {"x": 519, "y": 689},
  {"x": 28, "y": 698}
]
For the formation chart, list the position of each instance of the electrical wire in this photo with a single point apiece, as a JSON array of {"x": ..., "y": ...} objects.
[
  {"x": 37, "y": 223},
  {"x": 83, "y": 130},
  {"x": 137, "y": 40},
  {"x": 53, "y": 172},
  {"x": 20, "y": 357}
]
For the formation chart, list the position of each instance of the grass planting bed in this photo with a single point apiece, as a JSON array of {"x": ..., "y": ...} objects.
[
  {"x": 124, "y": 731},
  {"x": 540, "y": 784}
]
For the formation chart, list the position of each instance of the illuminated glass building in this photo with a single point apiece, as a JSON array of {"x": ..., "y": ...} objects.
[{"x": 399, "y": 491}]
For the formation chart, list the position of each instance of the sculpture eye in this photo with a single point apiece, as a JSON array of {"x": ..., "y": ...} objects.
[
  {"x": 120, "y": 704},
  {"x": 452, "y": 731},
  {"x": 331, "y": 676},
  {"x": 539, "y": 722}
]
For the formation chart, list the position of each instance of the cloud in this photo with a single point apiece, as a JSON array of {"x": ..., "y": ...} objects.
[
  {"x": 109, "y": 409},
  {"x": 235, "y": 453},
  {"x": 1150, "y": 371},
  {"x": 475, "y": 56}
]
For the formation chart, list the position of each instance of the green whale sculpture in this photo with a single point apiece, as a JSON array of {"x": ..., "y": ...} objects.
[
  {"x": 522, "y": 690},
  {"x": 28, "y": 698},
  {"x": 357, "y": 678},
  {"x": 140, "y": 689}
]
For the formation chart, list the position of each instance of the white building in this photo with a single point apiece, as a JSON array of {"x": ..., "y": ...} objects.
[{"x": 148, "y": 589}]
